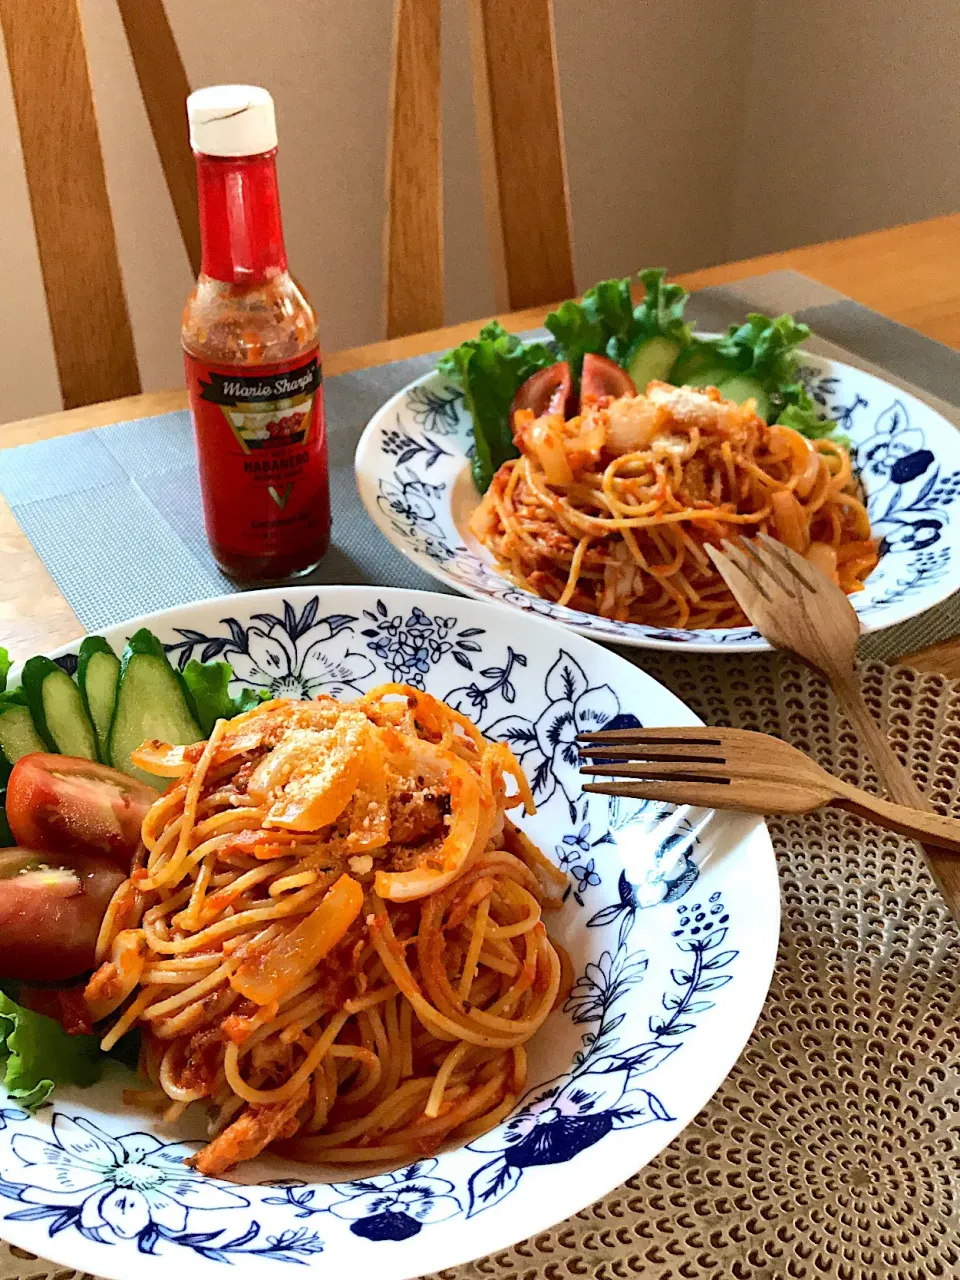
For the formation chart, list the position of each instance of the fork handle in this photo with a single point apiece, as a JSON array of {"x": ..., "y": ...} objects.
[
  {"x": 898, "y": 783},
  {"x": 917, "y": 824},
  {"x": 895, "y": 777}
]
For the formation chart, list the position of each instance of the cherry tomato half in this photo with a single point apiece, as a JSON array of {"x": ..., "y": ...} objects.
[
  {"x": 66, "y": 805},
  {"x": 603, "y": 377},
  {"x": 51, "y": 908},
  {"x": 546, "y": 391}
]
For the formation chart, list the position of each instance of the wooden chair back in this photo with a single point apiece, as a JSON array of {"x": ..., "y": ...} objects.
[
  {"x": 519, "y": 135},
  {"x": 53, "y": 98},
  {"x": 522, "y": 160}
]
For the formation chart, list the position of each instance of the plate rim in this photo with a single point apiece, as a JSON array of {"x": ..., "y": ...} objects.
[{"x": 74, "y": 1251}]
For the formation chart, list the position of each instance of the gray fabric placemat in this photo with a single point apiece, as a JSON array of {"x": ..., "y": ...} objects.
[{"x": 115, "y": 513}]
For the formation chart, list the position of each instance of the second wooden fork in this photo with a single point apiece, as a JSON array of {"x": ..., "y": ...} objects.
[
  {"x": 798, "y": 608},
  {"x": 738, "y": 769}
]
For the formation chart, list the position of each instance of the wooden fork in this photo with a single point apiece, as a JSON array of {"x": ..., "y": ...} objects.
[
  {"x": 739, "y": 769},
  {"x": 797, "y": 608}
]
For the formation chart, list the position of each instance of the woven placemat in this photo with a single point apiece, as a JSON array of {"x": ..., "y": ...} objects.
[{"x": 832, "y": 1151}]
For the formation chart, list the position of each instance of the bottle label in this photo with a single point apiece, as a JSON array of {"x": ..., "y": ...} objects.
[{"x": 262, "y": 449}]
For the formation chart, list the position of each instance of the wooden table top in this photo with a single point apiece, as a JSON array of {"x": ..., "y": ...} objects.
[{"x": 909, "y": 273}]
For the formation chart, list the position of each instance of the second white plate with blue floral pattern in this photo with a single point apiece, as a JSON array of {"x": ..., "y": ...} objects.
[
  {"x": 671, "y": 922},
  {"x": 412, "y": 467}
]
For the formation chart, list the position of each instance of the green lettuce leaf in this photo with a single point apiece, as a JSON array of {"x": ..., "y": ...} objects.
[
  {"x": 660, "y": 314},
  {"x": 602, "y": 319},
  {"x": 208, "y": 684},
  {"x": 36, "y": 1054},
  {"x": 6, "y": 663},
  {"x": 797, "y": 410},
  {"x": 605, "y": 321},
  {"x": 764, "y": 347},
  {"x": 489, "y": 370}
]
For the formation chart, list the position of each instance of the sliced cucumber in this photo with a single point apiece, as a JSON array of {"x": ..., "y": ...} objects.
[
  {"x": 698, "y": 365},
  {"x": 742, "y": 388},
  {"x": 711, "y": 377},
  {"x": 151, "y": 703},
  {"x": 18, "y": 733},
  {"x": 98, "y": 672},
  {"x": 57, "y": 709},
  {"x": 651, "y": 359}
]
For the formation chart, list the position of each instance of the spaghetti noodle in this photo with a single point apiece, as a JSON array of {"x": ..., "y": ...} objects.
[
  {"x": 609, "y": 512},
  {"x": 335, "y": 941}
]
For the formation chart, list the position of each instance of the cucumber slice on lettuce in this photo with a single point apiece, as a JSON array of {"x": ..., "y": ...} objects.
[
  {"x": 18, "y": 737},
  {"x": 98, "y": 673},
  {"x": 606, "y": 322},
  {"x": 18, "y": 733},
  {"x": 757, "y": 358},
  {"x": 152, "y": 702},
  {"x": 742, "y": 387},
  {"x": 57, "y": 708},
  {"x": 651, "y": 360}
]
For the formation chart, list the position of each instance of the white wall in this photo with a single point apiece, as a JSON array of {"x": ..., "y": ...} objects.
[
  {"x": 852, "y": 121},
  {"x": 695, "y": 133}
]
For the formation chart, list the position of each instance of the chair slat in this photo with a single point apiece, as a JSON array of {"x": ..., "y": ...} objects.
[
  {"x": 413, "y": 249},
  {"x": 165, "y": 88},
  {"x": 522, "y": 155},
  {"x": 92, "y": 339}
]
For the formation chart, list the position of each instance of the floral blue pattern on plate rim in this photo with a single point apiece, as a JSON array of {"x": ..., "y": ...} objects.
[
  {"x": 671, "y": 921},
  {"x": 413, "y": 476}
]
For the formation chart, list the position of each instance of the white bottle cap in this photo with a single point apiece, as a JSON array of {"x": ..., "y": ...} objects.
[{"x": 231, "y": 120}]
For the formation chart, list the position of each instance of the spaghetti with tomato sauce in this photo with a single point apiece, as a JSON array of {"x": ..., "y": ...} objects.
[
  {"x": 610, "y": 511},
  {"x": 336, "y": 940}
]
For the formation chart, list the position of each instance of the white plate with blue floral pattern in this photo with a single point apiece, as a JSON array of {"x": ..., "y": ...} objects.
[
  {"x": 671, "y": 921},
  {"x": 413, "y": 473}
]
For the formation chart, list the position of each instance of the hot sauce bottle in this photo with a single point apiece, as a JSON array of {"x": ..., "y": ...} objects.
[{"x": 252, "y": 354}]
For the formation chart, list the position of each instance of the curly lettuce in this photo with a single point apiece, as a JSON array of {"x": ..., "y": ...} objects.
[
  {"x": 36, "y": 1054},
  {"x": 209, "y": 687},
  {"x": 492, "y": 367},
  {"x": 606, "y": 322},
  {"x": 489, "y": 370},
  {"x": 764, "y": 349}
]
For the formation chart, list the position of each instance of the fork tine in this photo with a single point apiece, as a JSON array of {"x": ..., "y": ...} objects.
[
  {"x": 656, "y": 752},
  {"x": 706, "y": 795},
  {"x": 670, "y": 736},
  {"x": 740, "y": 583},
  {"x": 754, "y": 569},
  {"x": 692, "y": 770},
  {"x": 764, "y": 549}
]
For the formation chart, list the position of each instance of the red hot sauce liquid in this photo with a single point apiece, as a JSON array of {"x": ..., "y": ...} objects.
[{"x": 254, "y": 380}]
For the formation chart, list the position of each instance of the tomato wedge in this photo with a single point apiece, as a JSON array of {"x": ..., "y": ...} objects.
[
  {"x": 548, "y": 390},
  {"x": 51, "y": 908},
  {"x": 603, "y": 377},
  {"x": 67, "y": 805}
]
